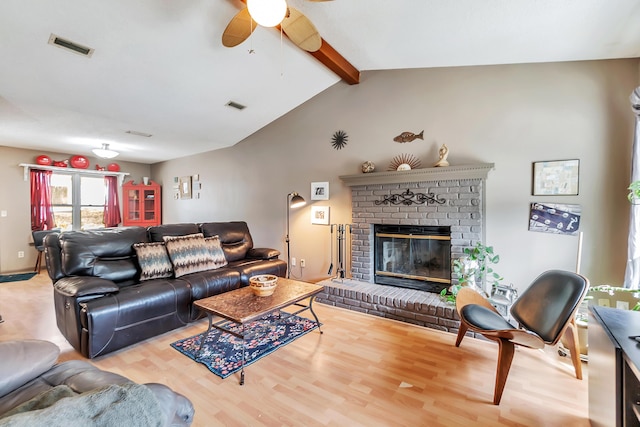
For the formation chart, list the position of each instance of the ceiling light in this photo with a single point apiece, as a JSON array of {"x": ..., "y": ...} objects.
[
  {"x": 104, "y": 152},
  {"x": 267, "y": 13}
]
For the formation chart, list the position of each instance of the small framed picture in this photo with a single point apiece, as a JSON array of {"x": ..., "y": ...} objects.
[
  {"x": 319, "y": 191},
  {"x": 556, "y": 178},
  {"x": 320, "y": 215},
  {"x": 185, "y": 187}
]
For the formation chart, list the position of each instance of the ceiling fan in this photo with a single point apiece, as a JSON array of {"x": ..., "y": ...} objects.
[{"x": 271, "y": 13}]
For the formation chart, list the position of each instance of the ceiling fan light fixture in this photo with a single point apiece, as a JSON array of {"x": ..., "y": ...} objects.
[
  {"x": 267, "y": 13},
  {"x": 104, "y": 152}
]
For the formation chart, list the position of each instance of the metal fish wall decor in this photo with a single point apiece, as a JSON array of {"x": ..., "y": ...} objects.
[{"x": 408, "y": 137}]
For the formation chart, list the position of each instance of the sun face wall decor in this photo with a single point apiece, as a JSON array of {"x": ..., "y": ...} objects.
[{"x": 404, "y": 162}]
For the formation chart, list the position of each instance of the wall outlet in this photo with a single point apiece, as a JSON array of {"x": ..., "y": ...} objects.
[
  {"x": 293, "y": 262},
  {"x": 3, "y": 213},
  {"x": 20, "y": 254},
  {"x": 302, "y": 263}
]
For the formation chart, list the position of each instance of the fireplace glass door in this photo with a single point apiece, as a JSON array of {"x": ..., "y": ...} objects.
[{"x": 417, "y": 257}]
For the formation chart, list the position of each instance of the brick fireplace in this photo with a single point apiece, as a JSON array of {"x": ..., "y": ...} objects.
[
  {"x": 461, "y": 188},
  {"x": 450, "y": 197}
]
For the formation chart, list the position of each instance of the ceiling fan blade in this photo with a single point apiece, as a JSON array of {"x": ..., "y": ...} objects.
[
  {"x": 239, "y": 29},
  {"x": 301, "y": 31}
]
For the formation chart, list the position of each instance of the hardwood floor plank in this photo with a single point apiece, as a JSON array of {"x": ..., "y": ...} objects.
[{"x": 363, "y": 371}]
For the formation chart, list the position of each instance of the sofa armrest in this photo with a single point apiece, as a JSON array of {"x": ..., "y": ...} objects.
[
  {"x": 23, "y": 361},
  {"x": 80, "y": 286},
  {"x": 263, "y": 253},
  {"x": 177, "y": 408}
]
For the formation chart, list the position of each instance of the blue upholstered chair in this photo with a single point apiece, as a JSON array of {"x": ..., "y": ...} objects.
[
  {"x": 38, "y": 242},
  {"x": 544, "y": 312}
]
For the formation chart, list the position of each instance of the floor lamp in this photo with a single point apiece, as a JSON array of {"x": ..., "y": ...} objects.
[{"x": 294, "y": 200}]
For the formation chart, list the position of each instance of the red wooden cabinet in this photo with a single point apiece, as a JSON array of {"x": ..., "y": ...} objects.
[{"x": 141, "y": 204}]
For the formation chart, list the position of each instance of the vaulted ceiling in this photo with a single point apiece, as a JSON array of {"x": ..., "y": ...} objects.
[{"x": 159, "y": 67}]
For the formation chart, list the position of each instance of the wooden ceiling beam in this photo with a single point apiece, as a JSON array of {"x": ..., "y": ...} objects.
[{"x": 337, "y": 63}]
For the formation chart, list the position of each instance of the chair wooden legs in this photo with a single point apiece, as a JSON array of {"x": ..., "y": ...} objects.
[
  {"x": 571, "y": 336},
  {"x": 505, "y": 355},
  {"x": 38, "y": 261},
  {"x": 461, "y": 332}
]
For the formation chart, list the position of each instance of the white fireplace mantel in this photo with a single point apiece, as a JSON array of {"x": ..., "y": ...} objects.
[{"x": 477, "y": 171}]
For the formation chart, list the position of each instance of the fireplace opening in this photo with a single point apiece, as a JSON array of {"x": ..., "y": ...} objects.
[{"x": 411, "y": 256}]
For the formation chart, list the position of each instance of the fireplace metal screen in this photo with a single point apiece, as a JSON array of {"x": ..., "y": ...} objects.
[{"x": 409, "y": 256}]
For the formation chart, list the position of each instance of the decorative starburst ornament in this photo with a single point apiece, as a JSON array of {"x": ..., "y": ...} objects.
[
  {"x": 404, "y": 162},
  {"x": 339, "y": 139}
]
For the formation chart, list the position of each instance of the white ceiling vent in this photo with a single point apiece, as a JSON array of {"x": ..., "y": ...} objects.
[
  {"x": 70, "y": 46},
  {"x": 138, "y": 133},
  {"x": 235, "y": 105}
]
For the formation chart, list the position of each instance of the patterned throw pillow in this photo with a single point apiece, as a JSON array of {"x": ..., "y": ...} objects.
[
  {"x": 153, "y": 260},
  {"x": 213, "y": 243},
  {"x": 189, "y": 254}
]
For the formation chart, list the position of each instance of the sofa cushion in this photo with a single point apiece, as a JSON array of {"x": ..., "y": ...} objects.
[
  {"x": 154, "y": 261},
  {"x": 189, "y": 254},
  {"x": 213, "y": 243},
  {"x": 106, "y": 253},
  {"x": 235, "y": 237},
  {"x": 248, "y": 268},
  {"x": 133, "y": 314},
  {"x": 157, "y": 232},
  {"x": 23, "y": 361},
  {"x": 208, "y": 283}
]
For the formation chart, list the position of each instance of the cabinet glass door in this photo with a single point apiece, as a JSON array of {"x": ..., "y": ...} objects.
[
  {"x": 149, "y": 205},
  {"x": 133, "y": 201}
]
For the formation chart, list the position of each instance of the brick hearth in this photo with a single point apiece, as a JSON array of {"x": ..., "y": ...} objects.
[{"x": 406, "y": 305}]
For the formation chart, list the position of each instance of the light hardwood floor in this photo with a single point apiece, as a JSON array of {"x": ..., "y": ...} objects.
[{"x": 363, "y": 371}]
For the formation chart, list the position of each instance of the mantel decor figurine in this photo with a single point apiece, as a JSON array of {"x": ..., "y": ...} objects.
[
  {"x": 368, "y": 167},
  {"x": 444, "y": 153}
]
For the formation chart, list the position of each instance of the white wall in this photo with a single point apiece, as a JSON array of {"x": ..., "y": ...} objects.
[{"x": 508, "y": 115}]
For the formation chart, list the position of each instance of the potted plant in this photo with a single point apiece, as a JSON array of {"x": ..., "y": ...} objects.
[
  {"x": 475, "y": 265},
  {"x": 634, "y": 192}
]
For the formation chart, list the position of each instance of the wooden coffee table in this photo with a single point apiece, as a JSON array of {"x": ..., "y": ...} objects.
[{"x": 241, "y": 306}]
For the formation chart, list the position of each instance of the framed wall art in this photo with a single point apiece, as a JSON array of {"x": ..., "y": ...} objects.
[
  {"x": 320, "y": 215},
  {"x": 185, "y": 187},
  {"x": 556, "y": 178},
  {"x": 555, "y": 218},
  {"x": 319, "y": 191}
]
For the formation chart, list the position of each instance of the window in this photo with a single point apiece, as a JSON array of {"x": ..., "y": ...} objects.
[{"x": 78, "y": 201}]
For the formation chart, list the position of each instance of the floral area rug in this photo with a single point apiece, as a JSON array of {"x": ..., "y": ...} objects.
[{"x": 222, "y": 352}]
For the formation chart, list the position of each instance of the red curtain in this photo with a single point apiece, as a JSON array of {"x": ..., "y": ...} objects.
[
  {"x": 111, "y": 205},
  {"x": 41, "y": 209}
]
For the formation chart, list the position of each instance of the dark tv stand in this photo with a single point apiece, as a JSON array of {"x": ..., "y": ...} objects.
[{"x": 614, "y": 362}]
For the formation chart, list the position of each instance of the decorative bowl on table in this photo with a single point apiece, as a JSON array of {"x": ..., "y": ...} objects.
[{"x": 263, "y": 285}]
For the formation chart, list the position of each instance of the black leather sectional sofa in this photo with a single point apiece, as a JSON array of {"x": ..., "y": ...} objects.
[{"x": 102, "y": 305}]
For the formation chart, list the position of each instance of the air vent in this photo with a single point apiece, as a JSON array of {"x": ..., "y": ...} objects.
[
  {"x": 70, "y": 46},
  {"x": 236, "y": 105},
  {"x": 135, "y": 132}
]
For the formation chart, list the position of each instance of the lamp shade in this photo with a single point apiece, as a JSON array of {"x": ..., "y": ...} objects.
[
  {"x": 104, "y": 152},
  {"x": 297, "y": 201},
  {"x": 267, "y": 13}
]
